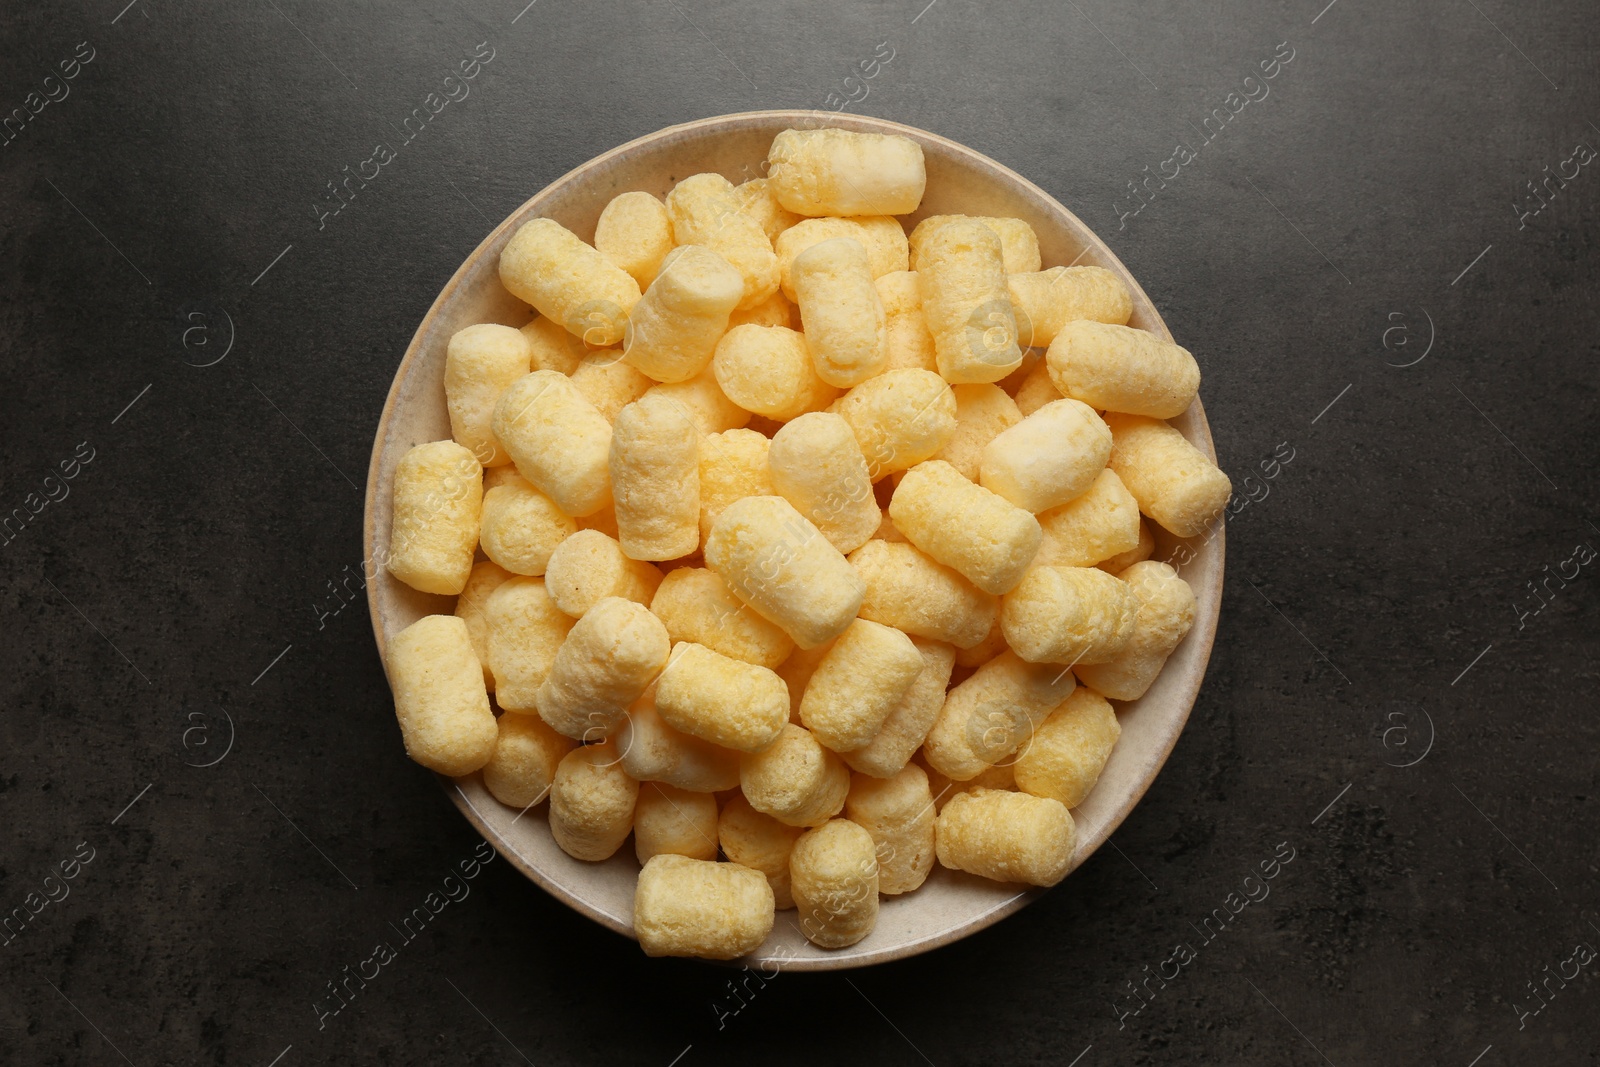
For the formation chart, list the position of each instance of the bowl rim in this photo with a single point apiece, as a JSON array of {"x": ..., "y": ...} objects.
[{"x": 1208, "y": 607}]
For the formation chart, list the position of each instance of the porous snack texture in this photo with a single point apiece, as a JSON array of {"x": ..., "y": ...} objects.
[{"x": 809, "y": 548}]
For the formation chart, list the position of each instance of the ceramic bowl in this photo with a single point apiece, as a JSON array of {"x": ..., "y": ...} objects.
[{"x": 951, "y": 905}]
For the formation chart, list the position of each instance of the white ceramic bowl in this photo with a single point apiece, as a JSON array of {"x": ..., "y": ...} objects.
[{"x": 950, "y": 905}]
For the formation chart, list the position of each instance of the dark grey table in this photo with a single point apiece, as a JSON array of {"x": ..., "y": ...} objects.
[{"x": 1383, "y": 255}]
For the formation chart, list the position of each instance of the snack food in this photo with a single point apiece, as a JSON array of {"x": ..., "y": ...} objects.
[
  {"x": 839, "y": 172},
  {"x": 525, "y": 629},
  {"x": 898, "y": 813},
  {"x": 720, "y": 699},
  {"x": 589, "y": 566},
  {"x": 706, "y": 211},
  {"x": 591, "y": 802},
  {"x": 1010, "y": 837},
  {"x": 479, "y": 364},
  {"x": 733, "y": 465},
  {"x": 909, "y": 590},
  {"x": 756, "y": 200},
  {"x": 983, "y": 412},
  {"x": 1118, "y": 368},
  {"x": 690, "y": 907},
  {"x": 559, "y": 441},
  {"x": 991, "y": 714},
  {"x": 739, "y": 548},
  {"x": 438, "y": 696},
  {"x": 833, "y": 874},
  {"x": 635, "y": 232},
  {"x": 705, "y": 403},
  {"x": 672, "y": 821},
  {"x": 967, "y": 303},
  {"x": 1049, "y": 458},
  {"x": 674, "y": 328},
  {"x": 608, "y": 659},
  {"x": 900, "y": 418},
  {"x": 485, "y": 578},
  {"x": 1068, "y": 615},
  {"x": 1049, "y": 299},
  {"x": 551, "y": 347},
  {"x": 655, "y": 479},
  {"x": 652, "y": 751},
  {"x": 840, "y": 311},
  {"x": 906, "y": 333},
  {"x": 858, "y": 683},
  {"x": 817, "y": 466},
  {"x": 881, "y": 235},
  {"x": 1165, "y": 614},
  {"x": 776, "y": 561},
  {"x": 1099, "y": 524},
  {"x": 1070, "y": 748},
  {"x": 965, "y": 526},
  {"x": 526, "y": 755},
  {"x": 696, "y": 605},
  {"x": 1173, "y": 481},
  {"x": 761, "y": 843},
  {"x": 568, "y": 282},
  {"x": 607, "y": 382},
  {"x": 520, "y": 527},
  {"x": 795, "y": 779},
  {"x": 438, "y": 501},
  {"x": 908, "y": 722},
  {"x": 768, "y": 370},
  {"x": 1019, "y": 245}
]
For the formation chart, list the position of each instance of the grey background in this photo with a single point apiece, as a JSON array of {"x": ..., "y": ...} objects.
[{"x": 1381, "y": 698}]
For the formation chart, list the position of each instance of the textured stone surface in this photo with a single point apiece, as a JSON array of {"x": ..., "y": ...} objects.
[{"x": 200, "y": 542}]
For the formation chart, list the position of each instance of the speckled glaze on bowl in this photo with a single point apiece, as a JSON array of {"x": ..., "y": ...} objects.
[{"x": 951, "y": 905}]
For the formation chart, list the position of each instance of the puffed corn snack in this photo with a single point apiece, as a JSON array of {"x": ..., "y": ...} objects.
[{"x": 803, "y": 538}]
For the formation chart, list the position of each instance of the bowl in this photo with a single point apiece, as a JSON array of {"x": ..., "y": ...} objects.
[{"x": 950, "y": 905}]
